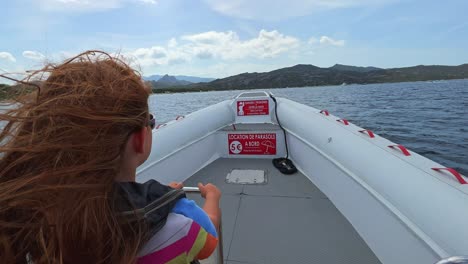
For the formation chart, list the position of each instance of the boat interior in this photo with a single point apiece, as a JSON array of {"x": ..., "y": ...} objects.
[
  {"x": 269, "y": 217},
  {"x": 356, "y": 197}
]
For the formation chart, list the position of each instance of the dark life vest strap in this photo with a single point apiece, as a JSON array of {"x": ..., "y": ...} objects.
[{"x": 140, "y": 213}]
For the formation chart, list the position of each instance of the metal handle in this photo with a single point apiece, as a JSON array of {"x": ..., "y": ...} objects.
[
  {"x": 191, "y": 189},
  {"x": 454, "y": 260}
]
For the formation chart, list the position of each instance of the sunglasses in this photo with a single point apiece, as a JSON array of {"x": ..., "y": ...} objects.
[{"x": 152, "y": 121}]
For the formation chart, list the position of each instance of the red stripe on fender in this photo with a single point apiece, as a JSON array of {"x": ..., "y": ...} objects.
[
  {"x": 325, "y": 112},
  {"x": 454, "y": 173},
  {"x": 402, "y": 148},
  {"x": 344, "y": 121},
  {"x": 160, "y": 125},
  {"x": 370, "y": 133}
]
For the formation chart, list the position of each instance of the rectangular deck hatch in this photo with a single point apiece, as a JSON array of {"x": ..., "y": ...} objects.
[{"x": 242, "y": 176}]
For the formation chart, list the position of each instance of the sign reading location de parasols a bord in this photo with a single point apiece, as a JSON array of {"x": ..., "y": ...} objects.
[
  {"x": 252, "y": 144},
  {"x": 252, "y": 107}
]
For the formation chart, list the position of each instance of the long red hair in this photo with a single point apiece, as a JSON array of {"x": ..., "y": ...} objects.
[{"x": 60, "y": 151}]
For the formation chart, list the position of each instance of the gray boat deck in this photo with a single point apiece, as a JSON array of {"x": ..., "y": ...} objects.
[{"x": 287, "y": 220}]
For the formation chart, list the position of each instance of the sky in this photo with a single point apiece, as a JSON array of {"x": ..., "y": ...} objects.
[{"x": 215, "y": 38}]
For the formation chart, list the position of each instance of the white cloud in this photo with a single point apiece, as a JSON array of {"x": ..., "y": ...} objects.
[
  {"x": 153, "y": 2},
  {"x": 79, "y": 5},
  {"x": 313, "y": 40},
  {"x": 157, "y": 55},
  {"x": 227, "y": 45},
  {"x": 222, "y": 69},
  {"x": 35, "y": 55},
  {"x": 281, "y": 9},
  {"x": 172, "y": 43},
  {"x": 215, "y": 45},
  {"x": 7, "y": 56},
  {"x": 189, "y": 53},
  {"x": 87, "y": 5},
  {"x": 324, "y": 40}
]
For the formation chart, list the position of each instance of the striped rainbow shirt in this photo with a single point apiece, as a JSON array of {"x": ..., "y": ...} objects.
[{"x": 187, "y": 235}]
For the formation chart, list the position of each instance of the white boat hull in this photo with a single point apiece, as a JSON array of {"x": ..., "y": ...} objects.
[{"x": 405, "y": 211}]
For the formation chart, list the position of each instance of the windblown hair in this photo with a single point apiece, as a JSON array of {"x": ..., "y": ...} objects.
[{"x": 60, "y": 151}]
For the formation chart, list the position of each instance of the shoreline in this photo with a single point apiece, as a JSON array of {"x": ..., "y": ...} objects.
[
  {"x": 181, "y": 89},
  {"x": 198, "y": 90}
]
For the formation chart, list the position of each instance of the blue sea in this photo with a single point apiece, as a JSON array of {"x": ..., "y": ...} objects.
[{"x": 430, "y": 118}]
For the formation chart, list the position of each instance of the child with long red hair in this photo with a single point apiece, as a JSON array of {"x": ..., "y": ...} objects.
[{"x": 68, "y": 158}]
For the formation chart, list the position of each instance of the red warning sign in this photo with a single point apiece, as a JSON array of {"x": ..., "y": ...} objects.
[
  {"x": 252, "y": 144},
  {"x": 253, "y": 107}
]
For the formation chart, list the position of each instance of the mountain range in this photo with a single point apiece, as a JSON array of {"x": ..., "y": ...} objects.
[
  {"x": 167, "y": 81},
  {"x": 303, "y": 75},
  {"x": 341, "y": 67},
  {"x": 191, "y": 79}
]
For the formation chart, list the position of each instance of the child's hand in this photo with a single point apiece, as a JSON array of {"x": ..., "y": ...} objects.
[
  {"x": 209, "y": 191},
  {"x": 176, "y": 185}
]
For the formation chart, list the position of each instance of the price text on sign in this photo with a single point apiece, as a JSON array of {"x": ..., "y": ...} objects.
[
  {"x": 254, "y": 107},
  {"x": 252, "y": 144}
]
